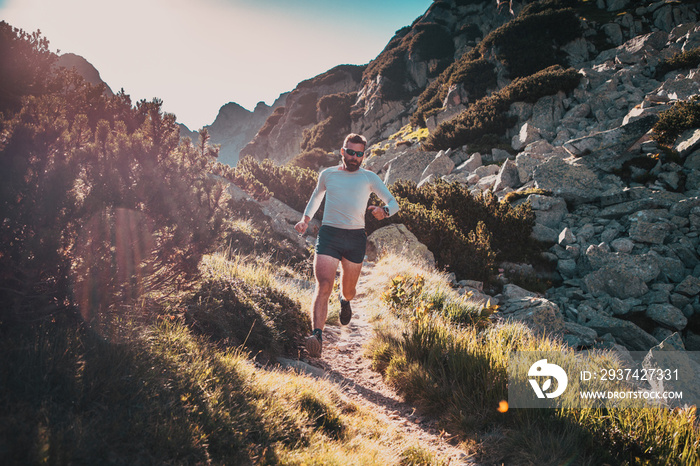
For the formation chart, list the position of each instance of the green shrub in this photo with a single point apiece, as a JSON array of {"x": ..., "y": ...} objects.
[
  {"x": 471, "y": 31},
  {"x": 329, "y": 132},
  {"x": 304, "y": 112},
  {"x": 487, "y": 117},
  {"x": 235, "y": 313},
  {"x": 101, "y": 202},
  {"x": 291, "y": 184},
  {"x": 680, "y": 61},
  {"x": 516, "y": 195},
  {"x": 544, "y": 5},
  {"x": 548, "y": 81},
  {"x": 466, "y": 254},
  {"x": 475, "y": 75},
  {"x": 468, "y": 235},
  {"x": 509, "y": 226},
  {"x": 524, "y": 45},
  {"x": 258, "y": 238},
  {"x": 673, "y": 122},
  {"x": 431, "y": 41},
  {"x": 314, "y": 159}
]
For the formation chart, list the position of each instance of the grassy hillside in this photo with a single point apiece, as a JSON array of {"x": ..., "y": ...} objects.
[{"x": 449, "y": 356}]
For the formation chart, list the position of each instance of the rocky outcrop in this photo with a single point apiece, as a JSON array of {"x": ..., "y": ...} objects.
[
  {"x": 84, "y": 68},
  {"x": 396, "y": 239},
  {"x": 236, "y": 126},
  {"x": 281, "y": 136}
]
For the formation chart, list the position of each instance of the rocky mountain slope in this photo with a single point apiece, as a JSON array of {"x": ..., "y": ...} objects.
[
  {"x": 622, "y": 215},
  {"x": 84, "y": 68}
]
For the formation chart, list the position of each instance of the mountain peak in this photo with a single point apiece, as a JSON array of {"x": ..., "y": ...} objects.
[{"x": 84, "y": 68}]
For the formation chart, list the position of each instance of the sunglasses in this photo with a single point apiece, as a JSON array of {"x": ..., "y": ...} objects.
[{"x": 354, "y": 153}]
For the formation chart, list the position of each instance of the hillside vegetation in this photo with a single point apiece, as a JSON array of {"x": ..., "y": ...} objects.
[{"x": 123, "y": 338}]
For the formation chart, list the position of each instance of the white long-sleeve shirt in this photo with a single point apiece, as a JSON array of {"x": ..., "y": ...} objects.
[{"x": 347, "y": 194}]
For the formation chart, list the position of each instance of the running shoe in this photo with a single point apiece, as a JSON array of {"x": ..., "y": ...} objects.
[
  {"x": 313, "y": 346},
  {"x": 345, "y": 311}
]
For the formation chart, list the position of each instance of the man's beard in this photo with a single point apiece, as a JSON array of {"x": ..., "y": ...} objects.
[{"x": 351, "y": 166}]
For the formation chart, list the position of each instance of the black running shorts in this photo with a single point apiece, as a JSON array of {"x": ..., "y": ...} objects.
[{"x": 339, "y": 243}]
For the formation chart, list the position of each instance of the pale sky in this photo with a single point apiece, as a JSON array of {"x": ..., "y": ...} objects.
[{"x": 198, "y": 55}]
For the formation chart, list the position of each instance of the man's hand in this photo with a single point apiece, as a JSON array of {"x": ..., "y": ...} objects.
[
  {"x": 301, "y": 226},
  {"x": 378, "y": 212}
]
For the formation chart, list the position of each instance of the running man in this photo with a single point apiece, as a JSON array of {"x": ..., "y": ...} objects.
[{"x": 342, "y": 238}]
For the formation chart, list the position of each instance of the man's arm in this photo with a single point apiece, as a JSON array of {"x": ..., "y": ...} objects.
[
  {"x": 313, "y": 205},
  {"x": 392, "y": 206}
]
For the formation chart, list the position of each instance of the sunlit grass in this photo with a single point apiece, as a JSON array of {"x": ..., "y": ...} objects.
[
  {"x": 408, "y": 133},
  {"x": 173, "y": 397},
  {"x": 460, "y": 374}
]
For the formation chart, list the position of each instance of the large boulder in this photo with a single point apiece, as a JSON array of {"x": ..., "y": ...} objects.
[
  {"x": 667, "y": 315},
  {"x": 539, "y": 314},
  {"x": 440, "y": 166},
  {"x": 408, "y": 166},
  {"x": 570, "y": 181},
  {"x": 625, "y": 332},
  {"x": 397, "y": 239}
]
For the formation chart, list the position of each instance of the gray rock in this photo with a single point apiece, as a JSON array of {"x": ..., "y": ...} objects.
[
  {"x": 549, "y": 210},
  {"x": 539, "y": 314},
  {"x": 499, "y": 155},
  {"x": 672, "y": 268},
  {"x": 668, "y": 315},
  {"x": 397, "y": 239},
  {"x": 574, "y": 183},
  {"x": 511, "y": 292},
  {"x": 507, "y": 177},
  {"x": 408, "y": 166},
  {"x": 576, "y": 335},
  {"x": 692, "y": 161},
  {"x": 440, "y": 166},
  {"x": 610, "y": 281},
  {"x": 644, "y": 266},
  {"x": 544, "y": 233},
  {"x": 683, "y": 207},
  {"x": 616, "y": 5},
  {"x": 567, "y": 267},
  {"x": 487, "y": 170},
  {"x": 688, "y": 142},
  {"x": 613, "y": 32},
  {"x": 302, "y": 367},
  {"x": 644, "y": 232},
  {"x": 622, "y": 245},
  {"x": 427, "y": 180},
  {"x": 626, "y": 333},
  {"x": 661, "y": 333},
  {"x": 680, "y": 89},
  {"x": 528, "y": 133},
  {"x": 692, "y": 341},
  {"x": 546, "y": 114},
  {"x": 471, "y": 164},
  {"x": 689, "y": 287},
  {"x": 686, "y": 254},
  {"x": 566, "y": 237},
  {"x": 622, "y": 136}
]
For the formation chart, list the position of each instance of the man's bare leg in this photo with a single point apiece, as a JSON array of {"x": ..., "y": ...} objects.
[
  {"x": 325, "y": 268},
  {"x": 349, "y": 275}
]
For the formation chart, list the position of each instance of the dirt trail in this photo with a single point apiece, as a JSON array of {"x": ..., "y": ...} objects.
[{"x": 344, "y": 363}]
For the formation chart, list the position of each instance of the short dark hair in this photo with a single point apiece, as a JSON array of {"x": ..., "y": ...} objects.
[{"x": 355, "y": 139}]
